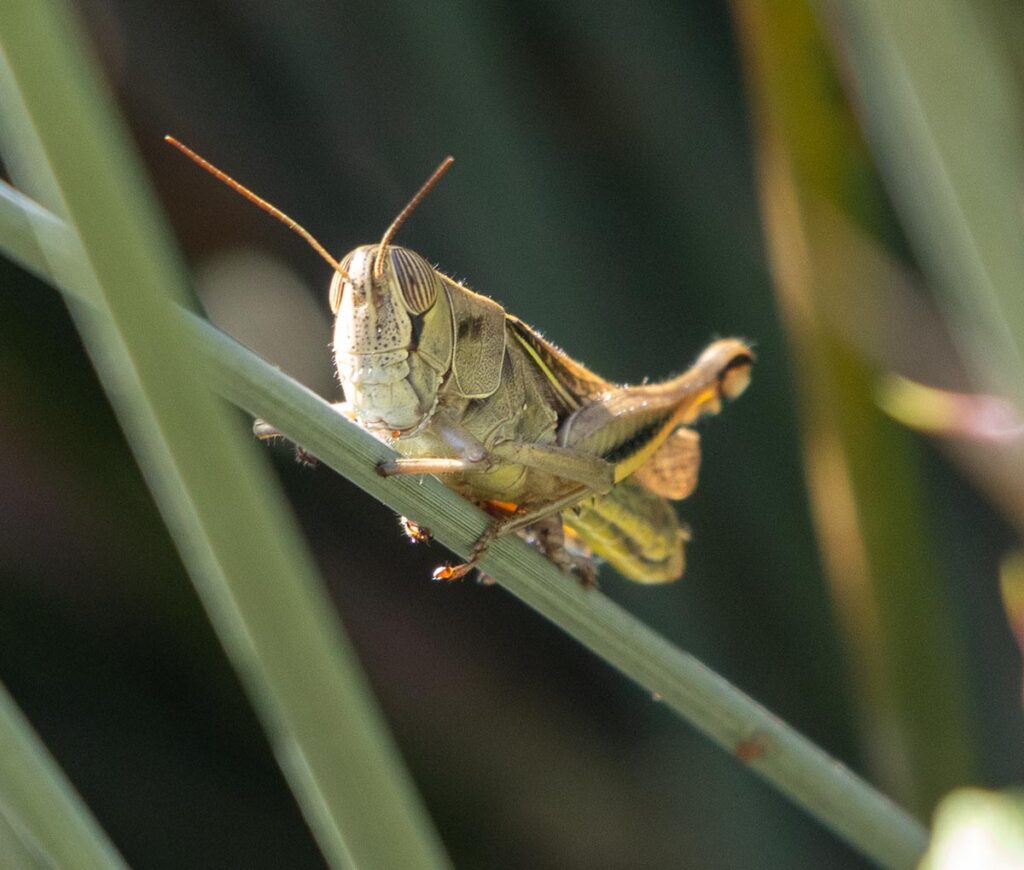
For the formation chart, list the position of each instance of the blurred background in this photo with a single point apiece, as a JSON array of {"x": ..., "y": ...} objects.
[{"x": 633, "y": 180}]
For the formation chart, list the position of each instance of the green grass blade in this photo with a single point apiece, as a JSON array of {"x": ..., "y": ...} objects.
[
  {"x": 15, "y": 853},
  {"x": 43, "y": 821},
  {"x": 797, "y": 768},
  {"x": 238, "y": 540},
  {"x": 949, "y": 144}
]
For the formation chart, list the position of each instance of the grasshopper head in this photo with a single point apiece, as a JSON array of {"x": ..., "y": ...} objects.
[
  {"x": 392, "y": 336},
  {"x": 405, "y": 279},
  {"x": 378, "y": 309}
]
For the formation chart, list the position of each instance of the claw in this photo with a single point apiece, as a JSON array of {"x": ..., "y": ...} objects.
[
  {"x": 305, "y": 458},
  {"x": 264, "y": 431},
  {"x": 457, "y": 572},
  {"x": 586, "y": 573},
  {"x": 414, "y": 532},
  {"x": 452, "y": 572}
]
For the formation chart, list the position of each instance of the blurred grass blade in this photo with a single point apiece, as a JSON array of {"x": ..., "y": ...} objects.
[
  {"x": 976, "y": 828},
  {"x": 949, "y": 144},
  {"x": 822, "y": 786},
  {"x": 861, "y": 469},
  {"x": 1011, "y": 586},
  {"x": 251, "y": 568},
  {"x": 16, "y": 853},
  {"x": 43, "y": 821},
  {"x": 868, "y": 297},
  {"x": 948, "y": 138},
  {"x": 948, "y": 414}
]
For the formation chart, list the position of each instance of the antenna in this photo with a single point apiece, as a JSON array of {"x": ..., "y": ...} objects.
[
  {"x": 389, "y": 234},
  {"x": 262, "y": 203}
]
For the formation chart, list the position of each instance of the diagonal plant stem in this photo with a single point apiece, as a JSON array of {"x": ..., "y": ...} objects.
[
  {"x": 256, "y": 577},
  {"x": 792, "y": 764},
  {"x": 43, "y": 821}
]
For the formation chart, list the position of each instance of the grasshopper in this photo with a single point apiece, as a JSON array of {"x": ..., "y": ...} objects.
[{"x": 465, "y": 391}]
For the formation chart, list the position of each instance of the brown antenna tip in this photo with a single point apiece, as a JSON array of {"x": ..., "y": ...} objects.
[
  {"x": 259, "y": 201},
  {"x": 389, "y": 234}
]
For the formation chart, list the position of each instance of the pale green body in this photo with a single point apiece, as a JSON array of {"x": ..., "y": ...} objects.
[
  {"x": 462, "y": 390},
  {"x": 460, "y": 383},
  {"x": 466, "y": 392},
  {"x": 520, "y": 410}
]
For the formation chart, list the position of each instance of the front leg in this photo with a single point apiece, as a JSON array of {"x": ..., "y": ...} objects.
[
  {"x": 265, "y": 432},
  {"x": 593, "y": 472},
  {"x": 429, "y": 465},
  {"x": 470, "y": 453}
]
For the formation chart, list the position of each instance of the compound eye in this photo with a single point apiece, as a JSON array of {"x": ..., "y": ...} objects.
[
  {"x": 418, "y": 282},
  {"x": 338, "y": 285}
]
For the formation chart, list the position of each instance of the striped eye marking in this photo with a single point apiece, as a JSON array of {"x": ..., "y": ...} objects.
[
  {"x": 416, "y": 280},
  {"x": 338, "y": 285}
]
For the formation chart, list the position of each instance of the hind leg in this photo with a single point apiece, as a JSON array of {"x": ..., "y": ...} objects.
[
  {"x": 549, "y": 536},
  {"x": 512, "y": 523}
]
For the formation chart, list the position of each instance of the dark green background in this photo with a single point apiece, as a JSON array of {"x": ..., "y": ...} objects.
[{"x": 604, "y": 191}]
